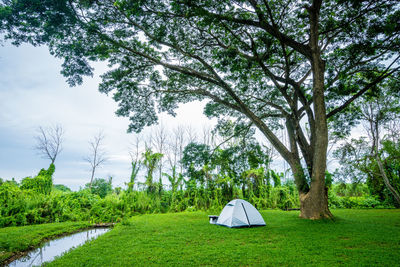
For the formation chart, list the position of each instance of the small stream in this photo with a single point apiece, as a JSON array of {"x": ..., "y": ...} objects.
[{"x": 57, "y": 247}]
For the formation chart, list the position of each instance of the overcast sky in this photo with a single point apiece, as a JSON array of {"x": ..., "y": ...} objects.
[{"x": 33, "y": 93}]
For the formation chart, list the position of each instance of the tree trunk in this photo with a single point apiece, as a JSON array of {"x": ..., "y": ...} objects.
[
  {"x": 386, "y": 180},
  {"x": 91, "y": 179},
  {"x": 314, "y": 199},
  {"x": 314, "y": 203},
  {"x": 374, "y": 128}
]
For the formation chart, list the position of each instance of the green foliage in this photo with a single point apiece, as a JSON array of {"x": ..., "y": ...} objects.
[
  {"x": 355, "y": 202},
  {"x": 196, "y": 155},
  {"x": 42, "y": 183},
  {"x": 175, "y": 180},
  {"x": 359, "y": 165},
  {"x": 350, "y": 190},
  {"x": 380, "y": 113},
  {"x": 100, "y": 187},
  {"x": 150, "y": 161},
  {"x": 61, "y": 188},
  {"x": 355, "y": 196},
  {"x": 391, "y": 163},
  {"x": 276, "y": 178},
  {"x": 328, "y": 179},
  {"x": 25, "y": 207},
  {"x": 134, "y": 172}
]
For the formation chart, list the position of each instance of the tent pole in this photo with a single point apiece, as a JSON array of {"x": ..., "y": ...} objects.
[{"x": 246, "y": 214}]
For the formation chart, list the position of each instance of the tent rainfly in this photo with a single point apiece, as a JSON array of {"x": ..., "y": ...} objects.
[{"x": 240, "y": 213}]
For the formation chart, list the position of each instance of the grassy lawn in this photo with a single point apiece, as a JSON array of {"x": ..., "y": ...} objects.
[
  {"x": 356, "y": 238},
  {"x": 13, "y": 240}
]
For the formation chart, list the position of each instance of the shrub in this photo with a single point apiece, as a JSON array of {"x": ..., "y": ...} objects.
[{"x": 42, "y": 183}]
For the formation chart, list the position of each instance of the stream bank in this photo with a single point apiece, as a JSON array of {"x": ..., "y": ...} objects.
[{"x": 18, "y": 242}]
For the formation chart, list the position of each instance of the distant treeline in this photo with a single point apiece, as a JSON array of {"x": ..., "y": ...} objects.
[{"x": 36, "y": 200}]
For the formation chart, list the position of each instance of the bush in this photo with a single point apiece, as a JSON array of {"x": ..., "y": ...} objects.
[
  {"x": 100, "y": 187},
  {"x": 42, "y": 183},
  {"x": 355, "y": 202}
]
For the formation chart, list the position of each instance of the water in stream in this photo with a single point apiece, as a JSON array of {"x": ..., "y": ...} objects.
[{"x": 57, "y": 247}]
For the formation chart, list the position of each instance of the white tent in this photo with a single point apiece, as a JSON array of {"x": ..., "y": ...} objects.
[{"x": 240, "y": 213}]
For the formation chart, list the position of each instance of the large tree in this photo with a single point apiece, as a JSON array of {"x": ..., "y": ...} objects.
[
  {"x": 281, "y": 63},
  {"x": 377, "y": 112}
]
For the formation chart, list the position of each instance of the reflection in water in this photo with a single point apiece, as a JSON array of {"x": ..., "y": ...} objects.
[{"x": 56, "y": 247}]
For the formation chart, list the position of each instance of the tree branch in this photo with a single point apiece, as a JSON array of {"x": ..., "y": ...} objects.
[{"x": 362, "y": 91}]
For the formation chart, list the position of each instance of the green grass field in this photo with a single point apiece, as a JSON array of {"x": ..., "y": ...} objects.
[
  {"x": 16, "y": 239},
  {"x": 356, "y": 238}
]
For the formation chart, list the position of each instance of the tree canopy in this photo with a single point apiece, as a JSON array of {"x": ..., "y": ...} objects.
[{"x": 269, "y": 64}]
